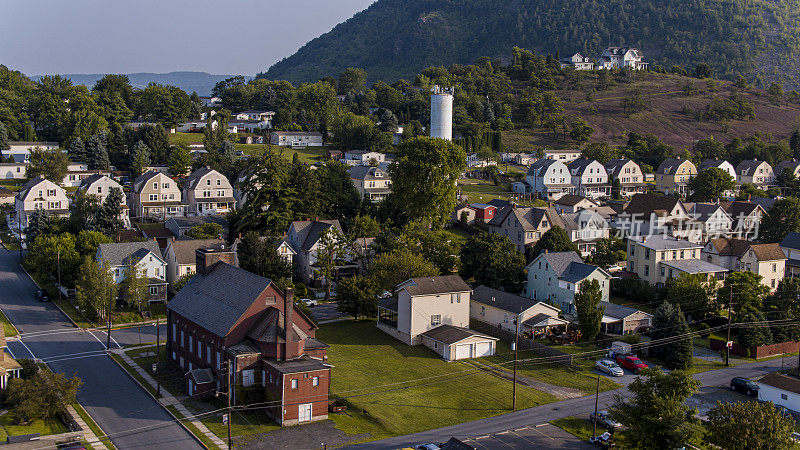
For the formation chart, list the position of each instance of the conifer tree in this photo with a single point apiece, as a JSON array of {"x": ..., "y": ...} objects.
[
  {"x": 140, "y": 158},
  {"x": 77, "y": 150}
]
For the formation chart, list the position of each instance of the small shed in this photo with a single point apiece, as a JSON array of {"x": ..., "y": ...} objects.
[
  {"x": 201, "y": 383},
  {"x": 782, "y": 390},
  {"x": 619, "y": 319},
  {"x": 455, "y": 343}
]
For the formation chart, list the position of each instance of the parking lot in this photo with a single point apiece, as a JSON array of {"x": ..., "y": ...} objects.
[
  {"x": 325, "y": 311},
  {"x": 539, "y": 436}
]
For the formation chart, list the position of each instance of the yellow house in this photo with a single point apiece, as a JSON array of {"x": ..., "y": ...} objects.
[{"x": 673, "y": 175}]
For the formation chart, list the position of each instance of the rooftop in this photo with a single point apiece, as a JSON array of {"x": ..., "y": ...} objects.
[
  {"x": 784, "y": 382},
  {"x": 663, "y": 242},
  {"x": 694, "y": 266},
  {"x": 502, "y": 300},
  {"x": 450, "y": 334},
  {"x": 434, "y": 285}
]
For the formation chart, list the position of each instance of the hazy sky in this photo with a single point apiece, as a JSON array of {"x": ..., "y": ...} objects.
[{"x": 112, "y": 36}]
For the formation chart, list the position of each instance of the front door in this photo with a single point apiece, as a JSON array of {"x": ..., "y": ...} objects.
[
  {"x": 247, "y": 377},
  {"x": 304, "y": 413}
]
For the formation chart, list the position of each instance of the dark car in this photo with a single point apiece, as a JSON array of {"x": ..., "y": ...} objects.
[
  {"x": 42, "y": 295},
  {"x": 745, "y": 386}
]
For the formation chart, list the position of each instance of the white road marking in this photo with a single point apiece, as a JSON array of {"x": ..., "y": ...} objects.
[
  {"x": 28, "y": 349},
  {"x": 98, "y": 340}
]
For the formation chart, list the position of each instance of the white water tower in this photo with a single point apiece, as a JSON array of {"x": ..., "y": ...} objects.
[{"x": 442, "y": 113}]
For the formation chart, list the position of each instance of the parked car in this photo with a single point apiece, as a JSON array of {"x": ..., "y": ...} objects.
[
  {"x": 309, "y": 301},
  {"x": 610, "y": 367},
  {"x": 605, "y": 420},
  {"x": 745, "y": 386},
  {"x": 605, "y": 440},
  {"x": 631, "y": 363},
  {"x": 427, "y": 446},
  {"x": 42, "y": 295}
]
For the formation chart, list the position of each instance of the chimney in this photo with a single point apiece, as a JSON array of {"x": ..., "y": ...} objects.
[
  {"x": 206, "y": 258},
  {"x": 289, "y": 350}
]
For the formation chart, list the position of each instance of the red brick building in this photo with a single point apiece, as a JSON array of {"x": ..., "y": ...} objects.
[{"x": 228, "y": 317}]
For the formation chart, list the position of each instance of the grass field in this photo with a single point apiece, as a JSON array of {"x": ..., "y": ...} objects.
[
  {"x": 398, "y": 389},
  {"x": 482, "y": 190},
  {"x": 583, "y": 429},
  {"x": 43, "y": 427},
  {"x": 309, "y": 155},
  {"x": 8, "y": 328}
]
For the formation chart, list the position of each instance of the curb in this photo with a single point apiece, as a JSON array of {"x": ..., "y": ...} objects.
[
  {"x": 54, "y": 303},
  {"x": 178, "y": 420}
]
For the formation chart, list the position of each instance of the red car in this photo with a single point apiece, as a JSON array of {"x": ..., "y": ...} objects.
[{"x": 631, "y": 362}]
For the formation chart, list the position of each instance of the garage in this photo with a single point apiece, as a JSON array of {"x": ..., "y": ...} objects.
[{"x": 454, "y": 343}]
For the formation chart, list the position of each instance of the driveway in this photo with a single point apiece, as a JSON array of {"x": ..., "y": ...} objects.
[
  {"x": 325, "y": 311},
  {"x": 123, "y": 410},
  {"x": 540, "y": 436}
]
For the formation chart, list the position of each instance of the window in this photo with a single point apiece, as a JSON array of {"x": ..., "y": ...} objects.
[
  {"x": 208, "y": 182},
  {"x": 647, "y": 253},
  {"x": 549, "y": 281},
  {"x": 174, "y": 332},
  {"x": 646, "y": 270},
  {"x": 219, "y": 362},
  {"x": 534, "y": 294},
  {"x": 294, "y": 384},
  {"x": 435, "y": 345},
  {"x": 182, "y": 341},
  {"x": 436, "y": 319},
  {"x": 483, "y": 310},
  {"x": 774, "y": 267},
  {"x": 153, "y": 290},
  {"x": 662, "y": 271},
  {"x": 153, "y": 197},
  {"x": 773, "y": 283},
  {"x": 208, "y": 354},
  {"x": 784, "y": 397},
  {"x": 116, "y": 272},
  {"x": 200, "y": 349},
  {"x": 99, "y": 189},
  {"x": 674, "y": 254},
  {"x": 165, "y": 185},
  {"x": 453, "y": 298},
  {"x": 155, "y": 185},
  {"x": 219, "y": 182},
  {"x": 633, "y": 252},
  {"x": 315, "y": 380},
  {"x": 191, "y": 344},
  {"x": 681, "y": 254}
]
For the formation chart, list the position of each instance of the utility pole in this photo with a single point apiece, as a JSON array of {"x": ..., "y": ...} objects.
[
  {"x": 19, "y": 228},
  {"x": 727, "y": 347},
  {"x": 58, "y": 264},
  {"x": 230, "y": 385},
  {"x": 108, "y": 330},
  {"x": 516, "y": 346},
  {"x": 158, "y": 357},
  {"x": 596, "y": 398}
]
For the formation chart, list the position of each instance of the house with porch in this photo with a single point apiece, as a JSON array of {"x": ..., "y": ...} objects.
[
  {"x": 40, "y": 194},
  {"x": 304, "y": 237},
  {"x": 673, "y": 175},
  {"x": 577, "y": 62},
  {"x": 767, "y": 260},
  {"x": 434, "y": 311},
  {"x": 228, "y": 320},
  {"x": 589, "y": 178},
  {"x": 746, "y": 218},
  {"x": 504, "y": 310},
  {"x": 658, "y": 258},
  {"x": 207, "y": 192},
  {"x": 649, "y": 214},
  {"x": 791, "y": 249},
  {"x": 555, "y": 277},
  {"x": 629, "y": 174},
  {"x": 155, "y": 196},
  {"x": 549, "y": 179},
  {"x": 372, "y": 183},
  {"x": 146, "y": 257},
  {"x": 524, "y": 226},
  {"x": 755, "y": 172}
]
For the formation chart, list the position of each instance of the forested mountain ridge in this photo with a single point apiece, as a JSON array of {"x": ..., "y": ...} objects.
[{"x": 395, "y": 39}]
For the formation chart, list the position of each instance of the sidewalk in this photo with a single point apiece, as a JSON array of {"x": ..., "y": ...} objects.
[
  {"x": 168, "y": 399},
  {"x": 88, "y": 434}
]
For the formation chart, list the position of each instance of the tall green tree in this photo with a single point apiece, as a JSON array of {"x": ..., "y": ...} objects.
[
  {"x": 668, "y": 322},
  {"x": 140, "y": 158},
  {"x": 134, "y": 288},
  {"x": 333, "y": 249},
  {"x": 95, "y": 289},
  {"x": 600, "y": 151},
  {"x": 424, "y": 176},
  {"x": 589, "y": 309},
  {"x": 748, "y": 425},
  {"x": 656, "y": 414},
  {"x": 357, "y": 296},
  {"x": 781, "y": 219},
  {"x": 493, "y": 260},
  {"x": 392, "y": 268},
  {"x": 42, "y": 396},
  {"x": 54, "y": 256},
  {"x": 695, "y": 294},
  {"x": 4, "y": 141},
  {"x": 352, "y": 80},
  {"x": 259, "y": 255},
  {"x": 710, "y": 184},
  {"x": 107, "y": 216},
  {"x": 77, "y": 150},
  {"x": 39, "y": 222},
  {"x": 339, "y": 198},
  {"x": 208, "y": 230},
  {"x": 180, "y": 160},
  {"x": 555, "y": 239},
  {"x": 97, "y": 152},
  {"x": 89, "y": 241},
  {"x": 608, "y": 251},
  {"x": 50, "y": 164}
]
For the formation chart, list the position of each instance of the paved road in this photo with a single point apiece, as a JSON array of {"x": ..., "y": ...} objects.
[
  {"x": 114, "y": 400},
  {"x": 540, "y": 436},
  {"x": 325, "y": 311},
  {"x": 570, "y": 407}
]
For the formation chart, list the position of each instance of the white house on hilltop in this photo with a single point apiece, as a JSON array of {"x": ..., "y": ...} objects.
[{"x": 41, "y": 194}]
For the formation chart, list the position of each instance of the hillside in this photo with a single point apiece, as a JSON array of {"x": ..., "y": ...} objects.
[
  {"x": 200, "y": 82},
  {"x": 669, "y": 113},
  {"x": 395, "y": 39}
]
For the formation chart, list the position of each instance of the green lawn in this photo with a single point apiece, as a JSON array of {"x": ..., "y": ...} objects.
[
  {"x": 308, "y": 155},
  {"x": 482, "y": 190},
  {"x": 578, "y": 376},
  {"x": 583, "y": 429},
  {"x": 458, "y": 235},
  {"x": 43, "y": 427},
  {"x": 8, "y": 329},
  {"x": 395, "y": 389}
]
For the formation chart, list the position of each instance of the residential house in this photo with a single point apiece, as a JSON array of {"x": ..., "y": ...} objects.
[
  {"x": 180, "y": 225},
  {"x": 254, "y": 114},
  {"x": 589, "y": 178},
  {"x": 629, "y": 174},
  {"x": 722, "y": 165},
  {"x": 296, "y": 138},
  {"x": 211, "y": 102},
  {"x": 228, "y": 320},
  {"x": 767, "y": 260},
  {"x": 6, "y": 196},
  {"x": 791, "y": 249},
  {"x": 571, "y": 203},
  {"x": 42, "y": 194},
  {"x": 13, "y": 171},
  {"x": 648, "y": 214},
  {"x": 585, "y": 228},
  {"x": 434, "y": 311},
  {"x": 504, "y": 310},
  {"x": 712, "y": 218},
  {"x": 249, "y": 126},
  {"x": 565, "y": 156},
  {"x": 780, "y": 389},
  {"x": 180, "y": 256},
  {"x": 755, "y": 172},
  {"x": 146, "y": 256},
  {"x": 673, "y": 176},
  {"x": 746, "y": 218},
  {"x": 155, "y": 196},
  {"x": 101, "y": 185},
  {"x": 620, "y": 319},
  {"x": 304, "y": 238},
  {"x": 555, "y": 277},
  {"x": 658, "y": 258},
  {"x": 472, "y": 213},
  {"x": 549, "y": 179},
  {"x": 793, "y": 165},
  {"x": 621, "y": 58},
  {"x": 207, "y": 192},
  {"x": 524, "y": 226},
  {"x": 363, "y": 158},
  {"x": 74, "y": 178},
  {"x": 577, "y": 62},
  {"x": 9, "y": 367},
  {"x": 21, "y": 150},
  {"x": 372, "y": 183}
]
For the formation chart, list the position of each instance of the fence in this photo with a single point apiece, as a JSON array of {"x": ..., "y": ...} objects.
[
  {"x": 762, "y": 351},
  {"x": 525, "y": 344}
]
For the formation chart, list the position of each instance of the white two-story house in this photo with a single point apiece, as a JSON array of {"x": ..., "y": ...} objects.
[
  {"x": 119, "y": 257},
  {"x": 42, "y": 194},
  {"x": 589, "y": 178},
  {"x": 100, "y": 186},
  {"x": 372, "y": 183},
  {"x": 549, "y": 179},
  {"x": 629, "y": 174},
  {"x": 208, "y": 192},
  {"x": 755, "y": 172}
]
